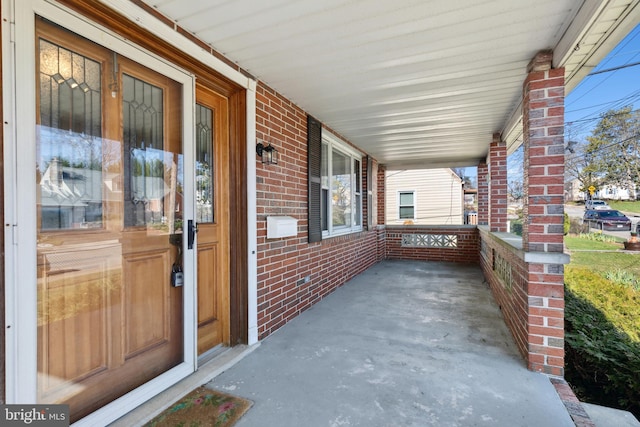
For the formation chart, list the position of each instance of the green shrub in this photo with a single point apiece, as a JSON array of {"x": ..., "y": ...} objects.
[
  {"x": 602, "y": 342},
  {"x": 576, "y": 226},
  {"x": 566, "y": 224},
  {"x": 516, "y": 227},
  {"x": 619, "y": 304},
  {"x": 623, "y": 278},
  {"x": 599, "y": 237}
]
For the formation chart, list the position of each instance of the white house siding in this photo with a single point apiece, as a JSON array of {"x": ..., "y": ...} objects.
[
  {"x": 438, "y": 196},
  {"x": 606, "y": 192},
  {"x": 611, "y": 192}
]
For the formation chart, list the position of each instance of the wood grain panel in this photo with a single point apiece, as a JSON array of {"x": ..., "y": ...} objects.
[
  {"x": 207, "y": 298},
  {"x": 76, "y": 285},
  {"x": 147, "y": 294},
  {"x": 238, "y": 205}
]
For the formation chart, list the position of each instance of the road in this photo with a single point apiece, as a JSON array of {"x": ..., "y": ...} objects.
[{"x": 578, "y": 211}]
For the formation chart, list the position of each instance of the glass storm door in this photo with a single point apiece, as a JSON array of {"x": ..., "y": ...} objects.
[{"x": 109, "y": 222}]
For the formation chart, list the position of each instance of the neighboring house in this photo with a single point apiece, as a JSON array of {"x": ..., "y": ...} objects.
[
  {"x": 573, "y": 192},
  {"x": 106, "y": 305},
  {"x": 470, "y": 197},
  {"x": 424, "y": 196},
  {"x": 612, "y": 192}
]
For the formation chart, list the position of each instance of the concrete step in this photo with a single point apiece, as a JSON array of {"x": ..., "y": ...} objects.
[{"x": 610, "y": 417}]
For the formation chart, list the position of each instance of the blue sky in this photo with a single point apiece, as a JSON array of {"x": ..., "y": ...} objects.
[{"x": 600, "y": 92}]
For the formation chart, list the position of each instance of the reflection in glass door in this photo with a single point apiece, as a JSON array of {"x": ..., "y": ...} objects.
[{"x": 109, "y": 222}]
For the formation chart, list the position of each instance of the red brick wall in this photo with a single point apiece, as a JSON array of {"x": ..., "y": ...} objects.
[
  {"x": 543, "y": 124},
  {"x": 511, "y": 297},
  {"x": 483, "y": 194},
  {"x": 532, "y": 311},
  {"x": 284, "y": 264},
  {"x": 498, "y": 184},
  {"x": 465, "y": 252},
  {"x": 381, "y": 191}
]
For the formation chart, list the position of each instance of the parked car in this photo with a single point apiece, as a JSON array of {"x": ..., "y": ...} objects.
[
  {"x": 596, "y": 204},
  {"x": 609, "y": 219}
]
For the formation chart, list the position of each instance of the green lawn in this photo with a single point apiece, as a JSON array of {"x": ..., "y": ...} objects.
[
  {"x": 625, "y": 206},
  {"x": 578, "y": 243},
  {"x": 601, "y": 261}
]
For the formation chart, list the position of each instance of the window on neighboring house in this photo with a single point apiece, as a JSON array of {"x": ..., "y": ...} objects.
[
  {"x": 406, "y": 205},
  {"x": 335, "y": 184}
]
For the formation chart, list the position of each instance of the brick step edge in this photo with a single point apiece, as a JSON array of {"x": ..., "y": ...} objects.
[{"x": 574, "y": 407}]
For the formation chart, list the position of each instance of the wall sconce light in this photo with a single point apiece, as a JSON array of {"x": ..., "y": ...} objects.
[{"x": 269, "y": 154}]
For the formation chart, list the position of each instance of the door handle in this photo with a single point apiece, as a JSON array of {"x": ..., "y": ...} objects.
[{"x": 192, "y": 229}]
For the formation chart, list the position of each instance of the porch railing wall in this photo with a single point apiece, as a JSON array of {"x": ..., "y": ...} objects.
[
  {"x": 506, "y": 272},
  {"x": 455, "y": 243}
]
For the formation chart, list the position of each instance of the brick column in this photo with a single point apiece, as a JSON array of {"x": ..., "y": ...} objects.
[
  {"x": 380, "y": 194},
  {"x": 498, "y": 184},
  {"x": 483, "y": 194},
  {"x": 542, "y": 237}
]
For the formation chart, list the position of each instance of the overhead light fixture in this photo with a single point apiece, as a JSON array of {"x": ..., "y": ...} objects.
[{"x": 268, "y": 154}]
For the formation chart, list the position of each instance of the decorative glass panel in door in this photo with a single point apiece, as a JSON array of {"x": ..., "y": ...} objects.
[{"x": 109, "y": 229}]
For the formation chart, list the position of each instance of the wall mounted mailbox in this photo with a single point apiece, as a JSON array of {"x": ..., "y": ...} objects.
[{"x": 281, "y": 226}]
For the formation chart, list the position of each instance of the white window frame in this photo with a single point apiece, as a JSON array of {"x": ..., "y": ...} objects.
[
  {"x": 415, "y": 203},
  {"x": 334, "y": 144}
]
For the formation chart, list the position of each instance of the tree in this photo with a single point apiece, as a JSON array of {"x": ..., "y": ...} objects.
[
  {"x": 613, "y": 150},
  {"x": 466, "y": 179},
  {"x": 515, "y": 176},
  {"x": 578, "y": 165}
]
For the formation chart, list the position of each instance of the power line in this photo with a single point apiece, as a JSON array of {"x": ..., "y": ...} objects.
[
  {"x": 628, "y": 100},
  {"x": 606, "y": 147},
  {"x": 615, "y": 52},
  {"x": 608, "y": 70},
  {"x": 601, "y": 117}
]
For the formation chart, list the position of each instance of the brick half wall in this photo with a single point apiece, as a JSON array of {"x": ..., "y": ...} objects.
[
  {"x": 433, "y": 243},
  {"x": 535, "y": 318}
]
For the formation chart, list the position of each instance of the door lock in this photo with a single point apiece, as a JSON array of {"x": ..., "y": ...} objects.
[
  {"x": 177, "y": 276},
  {"x": 192, "y": 229}
]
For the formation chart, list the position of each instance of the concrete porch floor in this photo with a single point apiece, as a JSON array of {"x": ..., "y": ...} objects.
[{"x": 406, "y": 343}]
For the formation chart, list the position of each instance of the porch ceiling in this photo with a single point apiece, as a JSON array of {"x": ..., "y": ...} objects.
[{"x": 414, "y": 83}]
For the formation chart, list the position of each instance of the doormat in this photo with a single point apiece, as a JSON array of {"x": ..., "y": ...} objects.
[{"x": 203, "y": 407}]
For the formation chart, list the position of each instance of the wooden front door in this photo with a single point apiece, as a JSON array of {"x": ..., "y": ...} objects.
[
  {"x": 110, "y": 205},
  {"x": 212, "y": 217}
]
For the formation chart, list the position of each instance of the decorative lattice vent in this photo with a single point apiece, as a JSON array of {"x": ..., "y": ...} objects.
[
  {"x": 503, "y": 270},
  {"x": 429, "y": 240}
]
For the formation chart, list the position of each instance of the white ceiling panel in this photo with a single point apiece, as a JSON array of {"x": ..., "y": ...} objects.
[{"x": 413, "y": 83}]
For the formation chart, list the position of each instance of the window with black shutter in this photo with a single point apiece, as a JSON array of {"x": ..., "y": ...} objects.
[{"x": 335, "y": 184}]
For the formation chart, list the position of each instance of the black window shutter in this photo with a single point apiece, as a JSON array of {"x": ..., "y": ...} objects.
[
  {"x": 314, "y": 158},
  {"x": 368, "y": 193}
]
